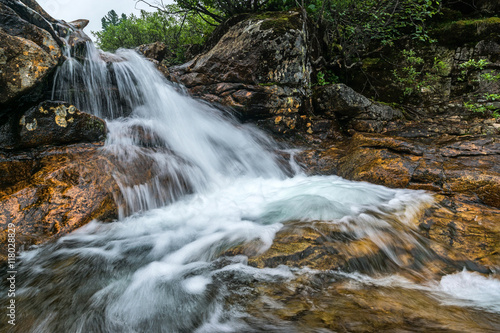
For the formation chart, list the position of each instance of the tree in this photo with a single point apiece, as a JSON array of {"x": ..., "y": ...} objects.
[
  {"x": 177, "y": 31},
  {"x": 217, "y": 10},
  {"x": 112, "y": 19}
]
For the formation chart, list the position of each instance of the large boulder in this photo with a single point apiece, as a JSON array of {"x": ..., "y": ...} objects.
[
  {"x": 259, "y": 67},
  {"x": 28, "y": 54},
  {"x": 32, "y": 46}
]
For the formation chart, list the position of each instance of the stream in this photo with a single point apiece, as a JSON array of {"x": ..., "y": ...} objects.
[{"x": 165, "y": 265}]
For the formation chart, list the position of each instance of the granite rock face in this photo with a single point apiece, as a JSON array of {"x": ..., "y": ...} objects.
[{"x": 259, "y": 68}]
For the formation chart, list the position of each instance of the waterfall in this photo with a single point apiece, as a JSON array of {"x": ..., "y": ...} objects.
[
  {"x": 215, "y": 185},
  {"x": 197, "y": 144}
]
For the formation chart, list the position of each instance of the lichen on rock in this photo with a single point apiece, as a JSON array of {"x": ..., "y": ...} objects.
[{"x": 50, "y": 123}]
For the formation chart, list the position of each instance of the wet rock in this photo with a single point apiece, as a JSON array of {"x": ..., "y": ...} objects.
[
  {"x": 462, "y": 170},
  {"x": 330, "y": 246},
  {"x": 469, "y": 228},
  {"x": 48, "y": 193},
  {"x": 77, "y": 40},
  {"x": 335, "y": 302}
]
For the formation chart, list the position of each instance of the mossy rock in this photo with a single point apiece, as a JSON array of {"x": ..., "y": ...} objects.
[
  {"x": 463, "y": 32},
  {"x": 279, "y": 22}
]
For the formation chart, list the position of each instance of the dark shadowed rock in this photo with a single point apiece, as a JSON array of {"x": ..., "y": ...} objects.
[
  {"x": 53, "y": 123},
  {"x": 352, "y": 109}
]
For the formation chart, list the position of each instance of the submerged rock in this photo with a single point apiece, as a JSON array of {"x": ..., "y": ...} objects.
[{"x": 338, "y": 302}]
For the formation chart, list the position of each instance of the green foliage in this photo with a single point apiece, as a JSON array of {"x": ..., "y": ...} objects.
[
  {"x": 490, "y": 77},
  {"x": 326, "y": 78},
  {"x": 350, "y": 27},
  {"x": 413, "y": 78},
  {"x": 175, "y": 30},
  {"x": 483, "y": 102},
  {"x": 470, "y": 66},
  {"x": 218, "y": 10},
  {"x": 112, "y": 19},
  {"x": 353, "y": 27},
  {"x": 483, "y": 108}
]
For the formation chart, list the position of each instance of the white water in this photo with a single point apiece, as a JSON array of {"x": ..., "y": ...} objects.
[{"x": 159, "y": 269}]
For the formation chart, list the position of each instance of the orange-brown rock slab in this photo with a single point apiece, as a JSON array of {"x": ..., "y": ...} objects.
[
  {"x": 56, "y": 192},
  {"x": 463, "y": 171},
  {"x": 470, "y": 228}
]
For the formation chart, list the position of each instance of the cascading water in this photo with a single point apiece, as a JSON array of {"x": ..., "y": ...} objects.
[
  {"x": 201, "y": 145},
  {"x": 215, "y": 185}
]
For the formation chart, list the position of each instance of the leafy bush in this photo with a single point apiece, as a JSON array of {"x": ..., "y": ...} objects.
[
  {"x": 413, "y": 78},
  {"x": 481, "y": 102},
  {"x": 177, "y": 31},
  {"x": 354, "y": 27}
]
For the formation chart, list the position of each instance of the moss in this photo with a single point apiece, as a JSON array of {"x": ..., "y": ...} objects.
[
  {"x": 268, "y": 84},
  {"x": 468, "y": 31},
  {"x": 280, "y": 22},
  {"x": 370, "y": 62},
  {"x": 391, "y": 104},
  {"x": 478, "y": 22}
]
